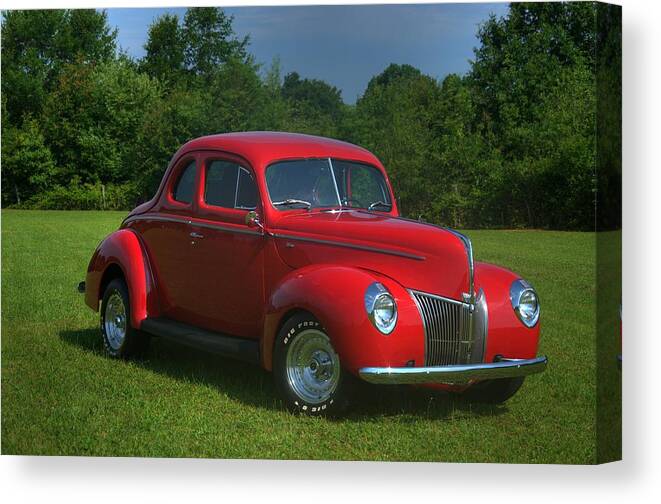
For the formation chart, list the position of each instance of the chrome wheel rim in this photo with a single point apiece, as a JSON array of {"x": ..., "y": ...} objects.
[
  {"x": 114, "y": 321},
  {"x": 313, "y": 367}
]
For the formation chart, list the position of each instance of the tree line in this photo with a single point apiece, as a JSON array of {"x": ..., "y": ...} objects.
[{"x": 511, "y": 143}]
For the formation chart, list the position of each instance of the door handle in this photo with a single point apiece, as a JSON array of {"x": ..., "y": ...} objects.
[{"x": 196, "y": 236}]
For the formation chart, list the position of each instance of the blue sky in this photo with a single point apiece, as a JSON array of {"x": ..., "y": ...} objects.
[{"x": 343, "y": 45}]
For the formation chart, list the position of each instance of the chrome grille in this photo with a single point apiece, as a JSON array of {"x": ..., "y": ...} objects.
[{"x": 448, "y": 331}]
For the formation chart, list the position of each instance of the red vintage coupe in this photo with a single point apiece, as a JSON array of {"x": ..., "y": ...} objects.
[{"x": 288, "y": 251}]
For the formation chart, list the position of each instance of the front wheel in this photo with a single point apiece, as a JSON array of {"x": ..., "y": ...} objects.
[
  {"x": 494, "y": 391},
  {"x": 307, "y": 370}
]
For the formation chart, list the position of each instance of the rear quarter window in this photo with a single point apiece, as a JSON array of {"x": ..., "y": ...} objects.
[{"x": 185, "y": 186}]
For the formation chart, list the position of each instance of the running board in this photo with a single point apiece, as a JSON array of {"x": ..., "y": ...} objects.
[{"x": 229, "y": 346}]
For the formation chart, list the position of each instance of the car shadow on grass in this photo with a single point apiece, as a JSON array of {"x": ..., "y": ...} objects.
[{"x": 254, "y": 386}]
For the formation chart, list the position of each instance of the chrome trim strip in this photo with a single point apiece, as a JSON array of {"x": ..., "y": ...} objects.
[
  {"x": 463, "y": 373},
  {"x": 425, "y": 329},
  {"x": 350, "y": 245},
  {"x": 468, "y": 245},
  {"x": 225, "y": 228},
  {"x": 480, "y": 327},
  {"x": 337, "y": 191},
  {"x": 436, "y": 296},
  {"x": 236, "y": 187},
  {"x": 191, "y": 222},
  {"x": 156, "y": 217}
]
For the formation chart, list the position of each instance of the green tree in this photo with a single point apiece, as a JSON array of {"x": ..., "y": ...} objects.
[
  {"x": 92, "y": 118},
  {"x": 181, "y": 116},
  {"x": 37, "y": 44},
  {"x": 27, "y": 163},
  {"x": 210, "y": 40},
  {"x": 521, "y": 54},
  {"x": 165, "y": 49},
  {"x": 512, "y": 143},
  {"x": 463, "y": 167},
  {"x": 276, "y": 112},
  {"x": 393, "y": 119},
  {"x": 539, "y": 56},
  {"x": 314, "y": 105},
  {"x": 237, "y": 97},
  {"x": 392, "y": 74},
  {"x": 315, "y": 93}
]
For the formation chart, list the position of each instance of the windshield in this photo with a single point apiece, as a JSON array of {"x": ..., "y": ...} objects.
[{"x": 318, "y": 183}]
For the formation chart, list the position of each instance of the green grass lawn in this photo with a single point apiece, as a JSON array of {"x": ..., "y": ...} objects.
[{"x": 62, "y": 396}]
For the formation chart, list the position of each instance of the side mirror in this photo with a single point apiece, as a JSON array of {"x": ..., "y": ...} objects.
[{"x": 252, "y": 220}]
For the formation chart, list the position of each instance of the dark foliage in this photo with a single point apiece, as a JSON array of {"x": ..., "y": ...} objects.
[{"x": 513, "y": 143}]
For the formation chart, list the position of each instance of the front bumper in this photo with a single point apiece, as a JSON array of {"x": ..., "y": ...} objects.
[{"x": 462, "y": 373}]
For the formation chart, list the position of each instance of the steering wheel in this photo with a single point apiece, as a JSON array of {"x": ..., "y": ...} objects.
[
  {"x": 346, "y": 201},
  {"x": 315, "y": 195}
]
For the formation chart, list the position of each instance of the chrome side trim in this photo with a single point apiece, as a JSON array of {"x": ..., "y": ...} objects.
[
  {"x": 480, "y": 327},
  {"x": 468, "y": 245},
  {"x": 425, "y": 327},
  {"x": 459, "y": 374},
  {"x": 350, "y": 245},
  {"x": 191, "y": 222},
  {"x": 156, "y": 217},
  {"x": 225, "y": 228}
]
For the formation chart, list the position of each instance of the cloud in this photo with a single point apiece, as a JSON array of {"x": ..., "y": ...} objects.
[{"x": 344, "y": 45}]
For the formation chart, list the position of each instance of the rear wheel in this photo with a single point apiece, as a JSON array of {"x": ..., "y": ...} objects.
[
  {"x": 120, "y": 339},
  {"x": 494, "y": 391},
  {"x": 307, "y": 370}
]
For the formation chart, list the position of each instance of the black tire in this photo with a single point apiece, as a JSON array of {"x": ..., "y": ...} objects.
[
  {"x": 494, "y": 391},
  {"x": 134, "y": 342},
  {"x": 332, "y": 400}
]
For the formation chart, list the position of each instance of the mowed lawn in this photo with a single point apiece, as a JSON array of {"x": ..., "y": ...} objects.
[{"x": 62, "y": 396}]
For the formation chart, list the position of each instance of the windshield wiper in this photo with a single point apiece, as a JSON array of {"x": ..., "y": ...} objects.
[
  {"x": 292, "y": 201},
  {"x": 379, "y": 204}
]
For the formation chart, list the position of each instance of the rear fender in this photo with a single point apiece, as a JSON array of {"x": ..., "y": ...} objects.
[
  {"x": 335, "y": 296},
  {"x": 123, "y": 249}
]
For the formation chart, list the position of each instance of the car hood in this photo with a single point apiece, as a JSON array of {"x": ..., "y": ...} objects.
[{"x": 419, "y": 256}]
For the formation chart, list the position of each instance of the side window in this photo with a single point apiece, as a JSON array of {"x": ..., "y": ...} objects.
[
  {"x": 229, "y": 185},
  {"x": 246, "y": 193},
  {"x": 220, "y": 183},
  {"x": 185, "y": 188}
]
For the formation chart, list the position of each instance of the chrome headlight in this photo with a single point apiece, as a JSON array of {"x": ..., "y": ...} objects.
[
  {"x": 381, "y": 307},
  {"x": 525, "y": 302}
]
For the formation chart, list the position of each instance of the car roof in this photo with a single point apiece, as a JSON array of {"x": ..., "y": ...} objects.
[{"x": 261, "y": 148}]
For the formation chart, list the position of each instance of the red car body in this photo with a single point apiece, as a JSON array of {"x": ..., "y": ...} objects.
[{"x": 213, "y": 268}]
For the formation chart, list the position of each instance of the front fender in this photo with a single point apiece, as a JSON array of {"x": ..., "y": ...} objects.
[
  {"x": 124, "y": 250},
  {"x": 335, "y": 296},
  {"x": 506, "y": 335}
]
